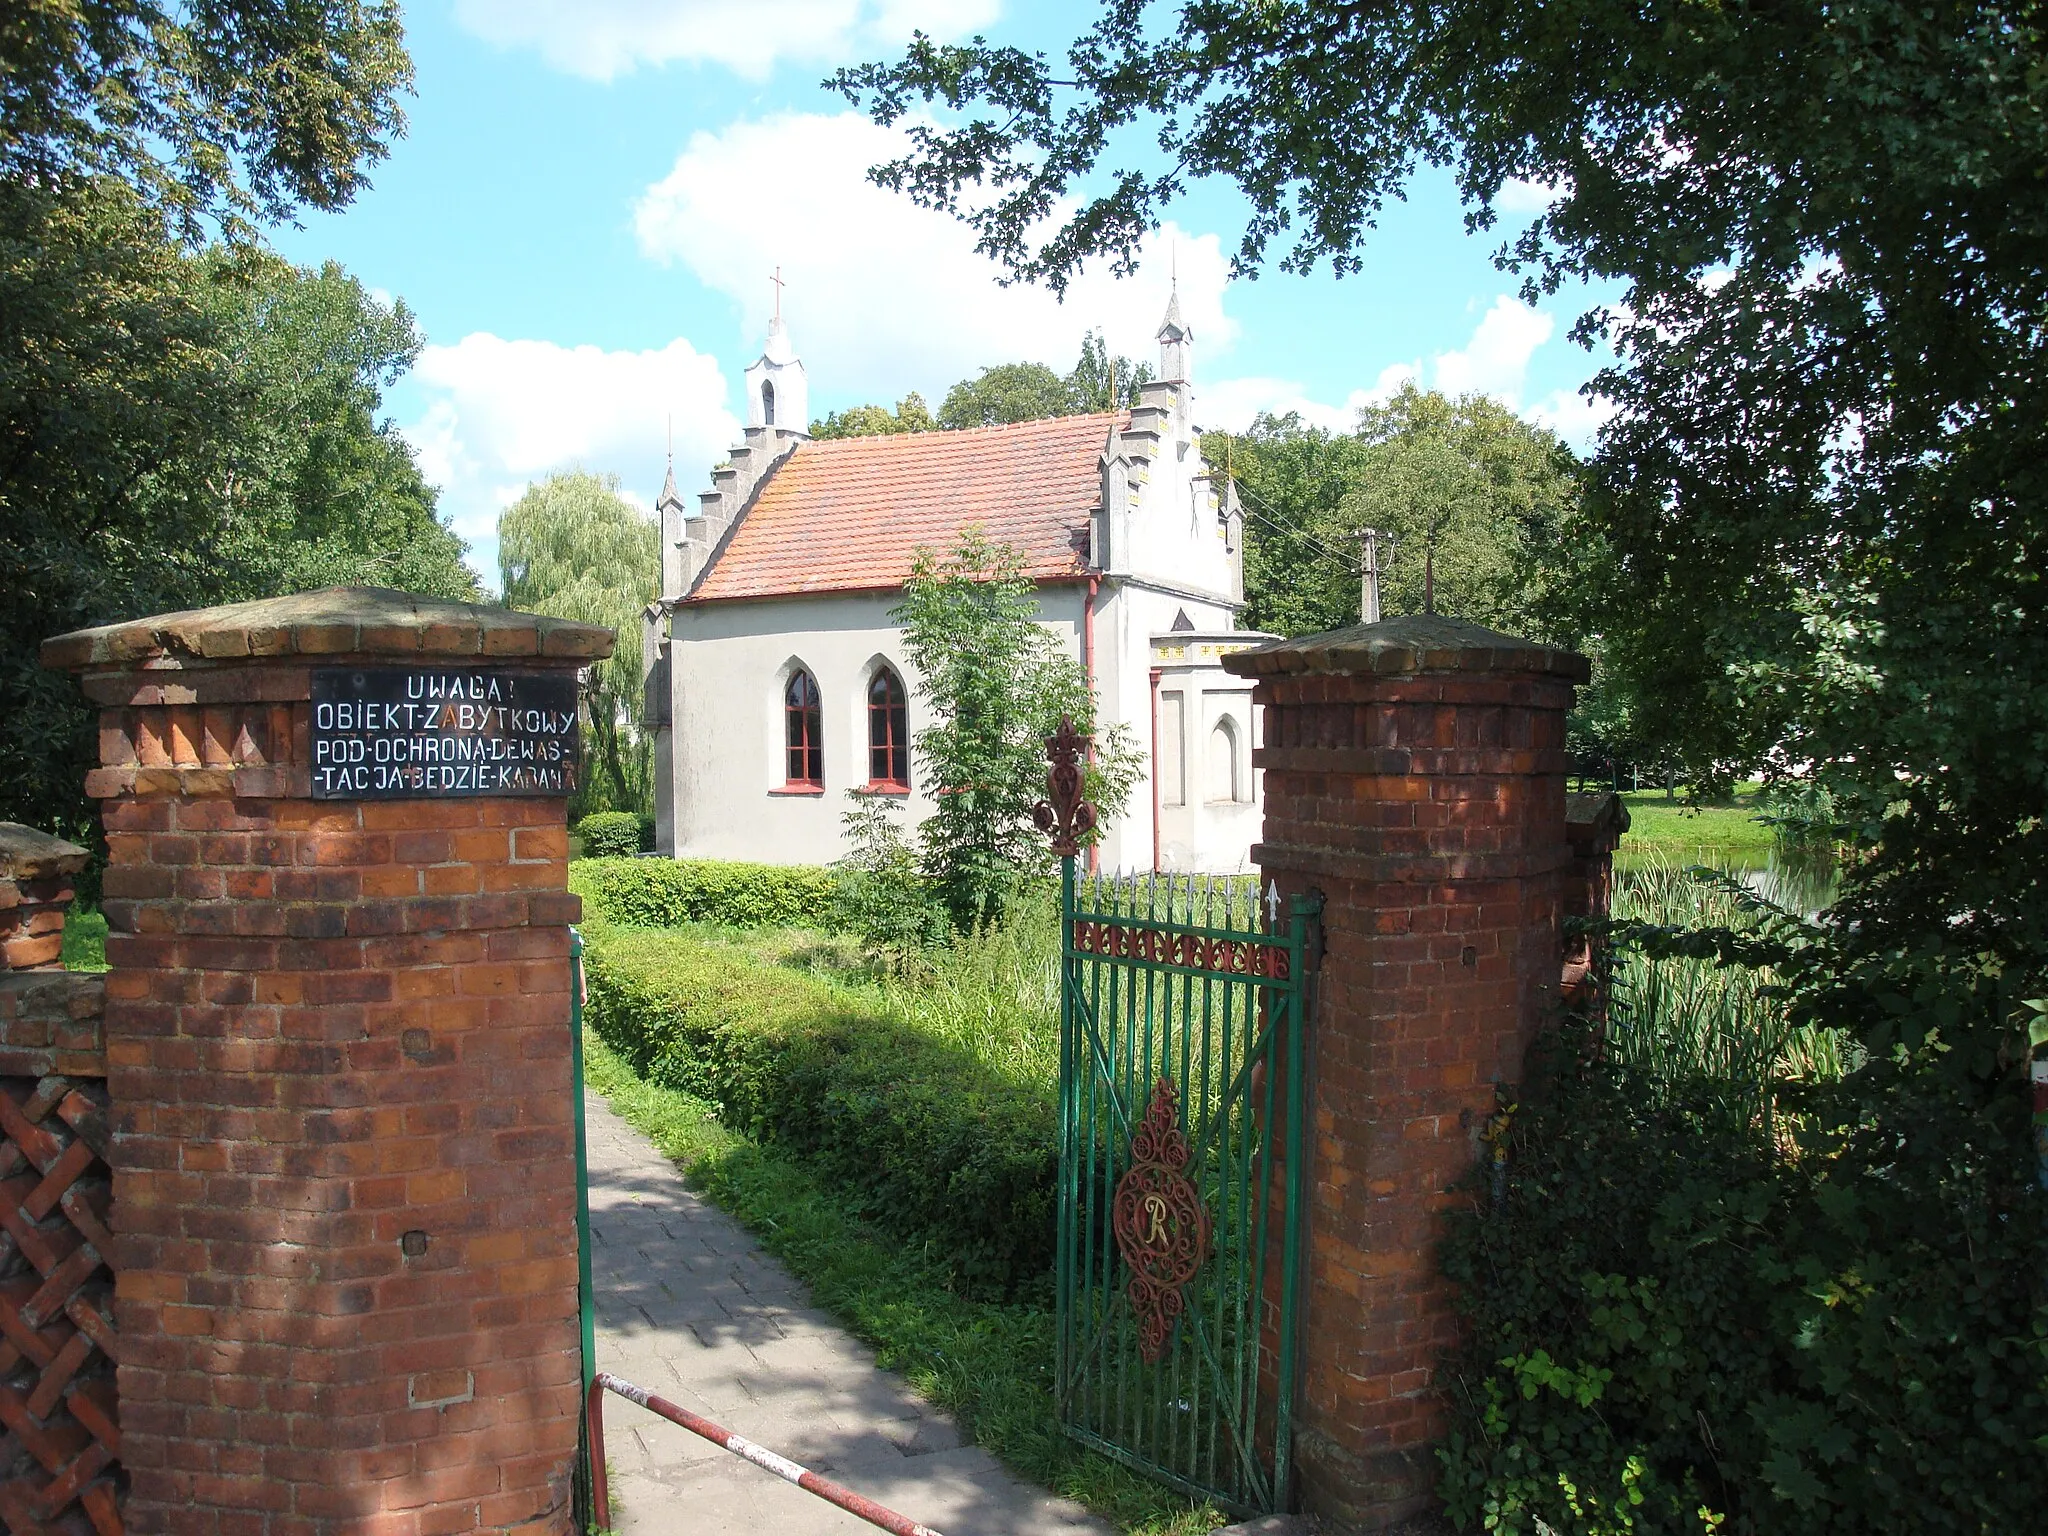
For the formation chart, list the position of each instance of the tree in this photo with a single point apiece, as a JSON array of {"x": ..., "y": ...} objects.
[
  {"x": 180, "y": 431},
  {"x": 111, "y": 392},
  {"x": 229, "y": 108},
  {"x": 315, "y": 489},
  {"x": 911, "y": 415},
  {"x": 1293, "y": 481},
  {"x": 1006, "y": 393},
  {"x": 998, "y": 684},
  {"x": 573, "y": 547},
  {"x": 1468, "y": 488},
  {"x": 1822, "y": 492},
  {"x": 1815, "y": 532},
  {"x": 123, "y": 125},
  {"x": 1488, "y": 493},
  {"x": 1101, "y": 382}
]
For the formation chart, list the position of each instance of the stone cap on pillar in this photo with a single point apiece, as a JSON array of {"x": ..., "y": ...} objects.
[
  {"x": 36, "y": 871},
  {"x": 1596, "y": 821},
  {"x": 27, "y": 854},
  {"x": 334, "y": 621},
  {"x": 216, "y": 701},
  {"x": 1409, "y": 642}
]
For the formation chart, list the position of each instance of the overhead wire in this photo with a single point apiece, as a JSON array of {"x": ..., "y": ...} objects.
[{"x": 1271, "y": 518}]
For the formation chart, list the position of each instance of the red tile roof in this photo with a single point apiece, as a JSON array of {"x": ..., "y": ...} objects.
[{"x": 850, "y": 514}]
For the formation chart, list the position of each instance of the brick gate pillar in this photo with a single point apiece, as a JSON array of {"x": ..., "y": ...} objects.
[
  {"x": 338, "y": 1059},
  {"x": 1415, "y": 774}
]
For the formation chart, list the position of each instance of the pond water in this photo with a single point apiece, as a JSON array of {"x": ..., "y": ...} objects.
[{"x": 1804, "y": 886}]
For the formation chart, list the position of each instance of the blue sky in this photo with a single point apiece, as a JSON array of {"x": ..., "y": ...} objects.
[{"x": 592, "y": 195}]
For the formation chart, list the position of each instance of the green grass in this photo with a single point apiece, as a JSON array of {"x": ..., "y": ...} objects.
[
  {"x": 1723, "y": 834},
  {"x": 988, "y": 1364},
  {"x": 85, "y": 940}
]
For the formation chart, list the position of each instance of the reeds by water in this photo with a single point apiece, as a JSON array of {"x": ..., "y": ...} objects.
[{"x": 1720, "y": 1036}]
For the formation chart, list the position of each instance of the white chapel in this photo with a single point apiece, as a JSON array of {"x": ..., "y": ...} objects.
[{"x": 776, "y": 680}]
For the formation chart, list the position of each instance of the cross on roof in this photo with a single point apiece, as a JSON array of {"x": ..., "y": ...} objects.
[{"x": 777, "y": 281}]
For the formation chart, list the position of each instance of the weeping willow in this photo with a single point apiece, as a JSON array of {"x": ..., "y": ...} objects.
[{"x": 574, "y": 548}]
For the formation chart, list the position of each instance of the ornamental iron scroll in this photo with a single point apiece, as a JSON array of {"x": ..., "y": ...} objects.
[
  {"x": 1213, "y": 954},
  {"x": 1160, "y": 1221},
  {"x": 1066, "y": 816}
]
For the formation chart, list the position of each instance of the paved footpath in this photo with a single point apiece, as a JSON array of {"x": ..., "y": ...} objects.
[{"x": 689, "y": 1307}]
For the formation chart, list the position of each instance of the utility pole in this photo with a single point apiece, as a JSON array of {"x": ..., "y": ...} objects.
[{"x": 1369, "y": 583}]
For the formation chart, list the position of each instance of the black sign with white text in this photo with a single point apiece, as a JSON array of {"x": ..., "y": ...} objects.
[{"x": 407, "y": 733}]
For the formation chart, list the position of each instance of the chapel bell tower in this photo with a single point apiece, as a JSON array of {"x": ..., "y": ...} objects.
[{"x": 777, "y": 395}]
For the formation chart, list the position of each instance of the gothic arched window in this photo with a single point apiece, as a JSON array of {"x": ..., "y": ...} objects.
[
  {"x": 1226, "y": 774},
  {"x": 803, "y": 732},
  {"x": 767, "y": 402},
  {"x": 888, "y": 733}
]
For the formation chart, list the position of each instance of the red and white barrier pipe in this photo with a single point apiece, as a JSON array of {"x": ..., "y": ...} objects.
[{"x": 600, "y": 1496}]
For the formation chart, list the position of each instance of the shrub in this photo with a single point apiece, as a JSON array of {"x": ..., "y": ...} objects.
[
  {"x": 1745, "y": 1273},
  {"x": 1805, "y": 820},
  {"x": 663, "y": 893},
  {"x": 1675, "y": 1328},
  {"x": 937, "y": 1148},
  {"x": 609, "y": 834},
  {"x": 881, "y": 897}
]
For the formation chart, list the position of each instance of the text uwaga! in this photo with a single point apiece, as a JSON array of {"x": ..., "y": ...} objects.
[{"x": 403, "y": 732}]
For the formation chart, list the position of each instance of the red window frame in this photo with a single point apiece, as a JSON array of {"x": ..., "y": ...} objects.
[
  {"x": 803, "y": 726},
  {"x": 888, "y": 733}
]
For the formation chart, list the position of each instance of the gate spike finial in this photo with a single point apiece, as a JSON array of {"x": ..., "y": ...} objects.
[
  {"x": 1065, "y": 814},
  {"x": 1273, "y": 903}
]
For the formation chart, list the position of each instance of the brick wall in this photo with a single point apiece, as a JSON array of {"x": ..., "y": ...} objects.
[
  {"x": 1414, "y": 774},
  {"x": 340, "y": 1069},
  {"x": 338, "y": 1056}
]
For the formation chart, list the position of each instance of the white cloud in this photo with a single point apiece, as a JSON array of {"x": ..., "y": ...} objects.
[
  {"x": 602, "y": 39},
  {"x": 1496, "y": 360},
  {"x": 884, "y": 296},
  {"x": 1519, "y": 196},
  {"x": 1573, "y": 416},
  {"x": 502, "y": 413},
  {"x": 1232, "y": 404}
]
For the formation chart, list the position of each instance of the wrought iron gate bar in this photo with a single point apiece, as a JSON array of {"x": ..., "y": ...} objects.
[
  {"x": 1183, "y": 994},
  {"x": 1155, "y": 942}
]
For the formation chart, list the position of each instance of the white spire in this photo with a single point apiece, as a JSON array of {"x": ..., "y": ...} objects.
[
  {"x": 1176, "y": 341},
  {"x": 668, "y": 483},
  {"x": 778, "y": 395}
]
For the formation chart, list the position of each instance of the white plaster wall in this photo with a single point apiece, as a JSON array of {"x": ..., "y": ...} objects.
[
  {"x": 732, "y": 661},
  {"x": 1129, "y": 615},
  {"x": 1208, "y": 831},
  {"x": 1225, "y": 828},
  {"x": 664, "y": 802},
  {"x": 1176, "y": 537}
]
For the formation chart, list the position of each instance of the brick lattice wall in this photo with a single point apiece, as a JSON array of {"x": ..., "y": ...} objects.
[{"x": 60, "y": 1438}]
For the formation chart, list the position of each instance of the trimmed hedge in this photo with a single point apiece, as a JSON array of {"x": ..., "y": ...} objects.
[
  {"x": 664, "y": 893},
  {"x": 609, "y": 834},
  {"x": 934, "y": 1147}
]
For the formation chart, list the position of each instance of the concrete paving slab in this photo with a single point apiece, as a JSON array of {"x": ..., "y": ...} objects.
[{"x": 691, "y": 1308}]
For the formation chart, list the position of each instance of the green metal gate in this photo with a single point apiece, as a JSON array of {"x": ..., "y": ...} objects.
[{"x": 1179, "y": 1233}]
